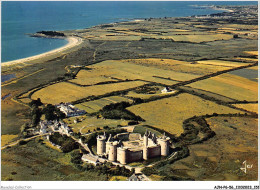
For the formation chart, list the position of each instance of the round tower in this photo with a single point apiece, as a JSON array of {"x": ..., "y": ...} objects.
[
  {"x": 145, "y": 153},
  {"x": 101, "y": 144},
  {"x": 122, "y": 155},
  {"x": 164, "y": 142},
  {"x": 112, "y": 154},
  {"x": 145, "y": 147}
]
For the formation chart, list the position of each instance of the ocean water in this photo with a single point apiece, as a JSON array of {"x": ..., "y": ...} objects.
[{"x": 21, "y": 17}]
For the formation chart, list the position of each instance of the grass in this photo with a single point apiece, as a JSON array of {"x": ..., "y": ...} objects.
[
  {"x": 252, "y": 52},
  {"x": 96, "y": 105},
  {"x": 179, "y": 66},
  {"x": 142, "y": 130},
  {"x": 47, "y": 143},
  {"x": 6, "y": 139},
  {"x": 220, "y": 158},
  {"x": 207, "y": 37},
  {"x": 92, "y": 123},
  {"x": 176, "y": 110},
  {"x": 37, "y": 162},
  {"x": 230, "y": 86},
  {"x": 248, "y": 107},
  {"x": 90, "y": 77},
  {"x": 126, "y": 69},
  {"x": 222, "y": 63},
  {"x": 146, "y": 96},
  {"x": 67, "y": 92},
  {"x": 13, "y": 116},
  {"x": 118, "y": 178}
]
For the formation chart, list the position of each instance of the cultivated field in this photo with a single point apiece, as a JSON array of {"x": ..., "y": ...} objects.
[
  {"x": 196, "y": 68},
  {"x": 90, "y": 77},
  {"x": 248, "y": 107},
  {"x": 86, "y": 123},
  {"x": 132, "y": 71},
  {"x": 96, "y": 105},
  {"x": 175, "y": 110},
  {"x": 222, "y": 63},
  {"x": 231, "y": 86},
  {"x": 67, "y": 92}
]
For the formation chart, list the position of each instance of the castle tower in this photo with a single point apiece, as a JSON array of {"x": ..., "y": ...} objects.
[
  {"x": 122, "y": 155},
  {"x": 164, "y": 142},
  {"x": 112, "y": 154},
  {"x": 145, "y": 147},
  {"x": 101, "y": 145},
  {"x": 108, "y": 144}
]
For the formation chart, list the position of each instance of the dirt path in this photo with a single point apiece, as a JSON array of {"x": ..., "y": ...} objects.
[{"x": 94, "y": 54}]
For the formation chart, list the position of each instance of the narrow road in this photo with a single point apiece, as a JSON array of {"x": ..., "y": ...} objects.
[{"x": 85, "y": 146}]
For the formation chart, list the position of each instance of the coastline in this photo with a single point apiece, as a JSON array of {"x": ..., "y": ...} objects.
[{"x": 72, "y": 42}]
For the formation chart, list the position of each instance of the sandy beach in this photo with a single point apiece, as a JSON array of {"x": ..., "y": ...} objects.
[{"x": 72, "y": 42}]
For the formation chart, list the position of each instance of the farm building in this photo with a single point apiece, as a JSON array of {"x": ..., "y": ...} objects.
[{"x": 69, "y": 110}]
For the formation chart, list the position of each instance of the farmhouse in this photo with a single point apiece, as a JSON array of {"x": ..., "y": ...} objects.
[
  {"x": 69, "y": 110},
  {"x": 166, "y": 90},
  {"x": 137, "y": 149},
  {"x": 54, "y": 126}
]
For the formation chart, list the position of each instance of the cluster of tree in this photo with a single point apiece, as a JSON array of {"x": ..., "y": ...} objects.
[
  {"x": 52, "y": 113},
  {"x": 118, "y": 111},
  {"x": 76, "y": 157},
  {"x": 146, "y": 90},
  {"x": 36, "y": 112},
  {"x": 51, "y": 33},
  {"x": 108, "y": 169},
  {"x": 67, "y": 144}
]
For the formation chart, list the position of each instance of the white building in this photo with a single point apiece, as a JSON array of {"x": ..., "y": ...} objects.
[
  {"x": 166, "y": 90},
  {"x": 69, "y": 110}
]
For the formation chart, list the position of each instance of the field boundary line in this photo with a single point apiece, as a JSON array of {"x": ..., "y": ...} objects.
[{"x": 25, "y": 76}]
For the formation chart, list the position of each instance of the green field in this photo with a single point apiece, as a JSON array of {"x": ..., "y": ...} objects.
[{"x": 96, "y": 105}]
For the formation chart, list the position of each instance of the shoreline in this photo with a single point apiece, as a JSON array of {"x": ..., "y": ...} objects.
[
  {"x": 75, "y": 41},
  {"x": 72, "y": 42}
]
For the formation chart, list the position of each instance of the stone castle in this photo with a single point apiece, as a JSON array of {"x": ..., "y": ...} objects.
[{"x": 136, "y": 148}]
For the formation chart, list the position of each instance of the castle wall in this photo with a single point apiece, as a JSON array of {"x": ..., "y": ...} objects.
[
  {"x": 133, "y": 156},
  {"x": 154, "y": 151}
]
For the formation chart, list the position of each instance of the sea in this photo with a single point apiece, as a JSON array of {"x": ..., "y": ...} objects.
[{"x": 20, "y": 18}]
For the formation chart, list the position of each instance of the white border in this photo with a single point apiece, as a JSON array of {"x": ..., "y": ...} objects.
[{"x": 201, "y": 185}]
